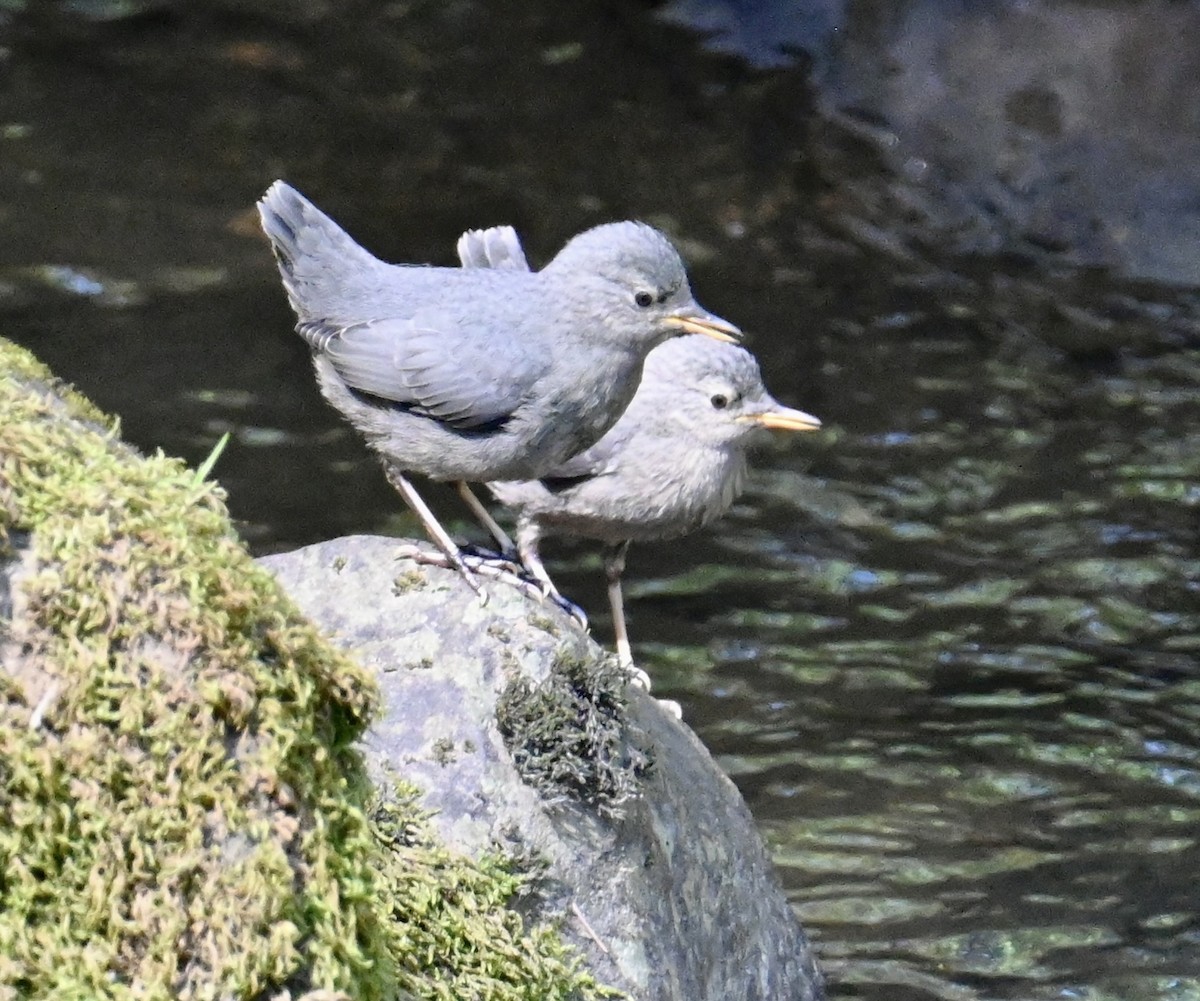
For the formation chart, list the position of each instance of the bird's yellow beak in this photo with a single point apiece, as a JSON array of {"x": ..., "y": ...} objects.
[
  {"x": 698, "y": 321},
  {"x": 784, "y": 419}
]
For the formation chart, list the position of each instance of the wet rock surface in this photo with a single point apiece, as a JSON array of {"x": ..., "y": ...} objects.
[{"x": 670, "y": 893}]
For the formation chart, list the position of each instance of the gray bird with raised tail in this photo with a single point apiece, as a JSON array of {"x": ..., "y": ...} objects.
[
  {"x": 472, "y": 374},
  {"x": 674, "y": 461}
]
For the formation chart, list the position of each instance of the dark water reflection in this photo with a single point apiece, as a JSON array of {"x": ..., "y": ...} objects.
[
  {"x": 947, "y": 648},
  {"x": 969, "y": 724}
]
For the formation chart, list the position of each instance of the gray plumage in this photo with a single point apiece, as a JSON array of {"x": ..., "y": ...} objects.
[
  {"x": 674, "y": 461},
  {"x": 476, "y": 373}
]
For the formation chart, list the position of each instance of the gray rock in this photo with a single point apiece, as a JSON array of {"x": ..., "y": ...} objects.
[{"x": 652, "y": 861}]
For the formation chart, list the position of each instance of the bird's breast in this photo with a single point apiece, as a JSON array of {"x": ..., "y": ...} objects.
[{"x": 582, "y": 409}]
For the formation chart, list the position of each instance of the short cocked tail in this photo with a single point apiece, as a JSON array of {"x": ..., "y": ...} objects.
[{"x": 317, "y": 258}]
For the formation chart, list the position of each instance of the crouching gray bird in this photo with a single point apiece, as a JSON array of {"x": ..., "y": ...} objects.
[
  {"x": 674, "y": 461},
  {"x": 470, "y": 375}
]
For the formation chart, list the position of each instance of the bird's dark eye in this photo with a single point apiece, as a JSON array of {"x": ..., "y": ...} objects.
[
  {"x": 644, "y": 299},
  {"x": 719, "y": 400}
]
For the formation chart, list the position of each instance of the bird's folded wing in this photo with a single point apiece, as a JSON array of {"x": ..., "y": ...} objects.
[
  {"x": 435, "y": 366},
  {"x": 599, "y": 460}
]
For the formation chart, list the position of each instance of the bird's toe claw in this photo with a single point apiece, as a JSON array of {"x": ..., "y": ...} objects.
[
  {"x": 671, "y": 707},
  {"x": 578, "y": 614},
  {"x": 638, "y": 677}
]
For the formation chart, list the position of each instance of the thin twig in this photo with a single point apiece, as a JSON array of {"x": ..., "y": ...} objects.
[{"x": 590, "y": 930}]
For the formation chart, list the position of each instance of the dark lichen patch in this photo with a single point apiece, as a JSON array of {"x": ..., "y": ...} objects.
[
  {"x": 442, "y": 751},
  {"x": 510, "y": 663},
  {"x": 391, "y": 667},
  {"x": 185, "y": 815},
  {"x": 543, "y": 622},
  {"x": 568, "y": 737}
]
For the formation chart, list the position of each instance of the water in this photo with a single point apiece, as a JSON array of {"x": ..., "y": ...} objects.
[
  {"x": 969, "y": 727},
  {"x": 947, "y": 647}
]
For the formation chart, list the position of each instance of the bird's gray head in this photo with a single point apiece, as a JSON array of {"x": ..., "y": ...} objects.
[
  {"x": 636, "y": 284},
  {"x": 713, "y": 393}
]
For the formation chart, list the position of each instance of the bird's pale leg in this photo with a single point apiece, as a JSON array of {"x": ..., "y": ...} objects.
[
  {"x": 614, "y": 566},
  {"x": 507, "y": 548},
  {"x": 441, "y": 538},
  {"x": 529, "y": 536}
]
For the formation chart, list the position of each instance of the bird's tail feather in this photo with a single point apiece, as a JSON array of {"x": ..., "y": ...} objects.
[
  {"x": 317, "y": 258},
  {"x": 498, "y": 247}
]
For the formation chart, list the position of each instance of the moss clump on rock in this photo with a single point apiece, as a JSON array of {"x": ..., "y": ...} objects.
[
  {"x": 184, "y": 813},
  {"x": 567, "y": 735},
  {"x": 458, "y": 936}
]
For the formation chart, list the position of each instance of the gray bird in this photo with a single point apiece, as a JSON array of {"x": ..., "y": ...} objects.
[
  {"x": 472, "y": 374},
  {"x": 674, "y": 461}
]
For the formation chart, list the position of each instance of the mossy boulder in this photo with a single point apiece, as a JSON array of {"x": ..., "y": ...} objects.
[
  {"x": 184, "y": 812},
  {"x": 524, "y": 737}
]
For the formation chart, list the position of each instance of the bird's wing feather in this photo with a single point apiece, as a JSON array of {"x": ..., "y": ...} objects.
[
  {"x": 498, "y": 247},
  {"x": 598, "y": 460},
  {"x": 407, "y": 361}
]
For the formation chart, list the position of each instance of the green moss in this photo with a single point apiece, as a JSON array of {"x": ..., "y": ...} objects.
[
  {"x": 185, "y": 814},
  {"x": 409, "y": 580},
  {"x": 567, "y": 734},
  {"x": 453, "y": 923}
]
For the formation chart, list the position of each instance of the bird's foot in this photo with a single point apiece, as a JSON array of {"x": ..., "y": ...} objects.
[
  {"x": 470, "y": 562},
  {"x": 671, "y": 707},
  {"x": 640, "y": 679},
  {"x": 550, "y": 593},
  {"x": 455, "y": 560},
  {"x": 490, "y": 565},
  {"x": 477, "y": 556},
  {"x": 637, "y": 676},
  {"x": 529, "y": 583}
]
